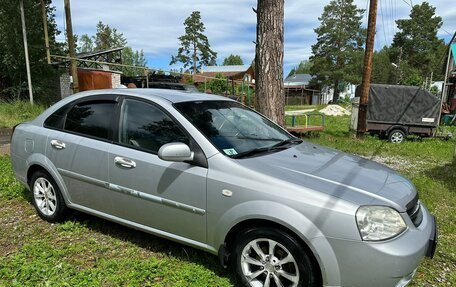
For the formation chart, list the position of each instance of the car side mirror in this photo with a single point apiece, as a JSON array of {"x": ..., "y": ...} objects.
[{"x": 177, "y": 152}]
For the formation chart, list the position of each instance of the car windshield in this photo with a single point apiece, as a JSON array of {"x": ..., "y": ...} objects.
[{"x": 234, "y": 129}]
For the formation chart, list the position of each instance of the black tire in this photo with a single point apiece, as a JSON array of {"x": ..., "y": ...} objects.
[
  {"x": 305, "y": 275},
  {"x": 396, "y": 136},
  {"x": 49, "y": 205}
]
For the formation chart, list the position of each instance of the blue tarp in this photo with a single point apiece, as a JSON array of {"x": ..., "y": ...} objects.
[{"x": 453, "y": 49}]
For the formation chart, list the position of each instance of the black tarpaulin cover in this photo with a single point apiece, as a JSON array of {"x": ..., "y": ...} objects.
[{"x": 394, "y": 104}]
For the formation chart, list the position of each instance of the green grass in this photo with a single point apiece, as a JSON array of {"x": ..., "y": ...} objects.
[
  {"x": 13, "y": 113},
  {"x": 88, "y": 251}
]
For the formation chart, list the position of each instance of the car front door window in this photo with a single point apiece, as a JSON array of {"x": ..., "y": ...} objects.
[{"x": 146, "y": 127}]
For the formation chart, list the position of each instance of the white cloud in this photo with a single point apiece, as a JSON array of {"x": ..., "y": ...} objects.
[{"x": 154, "y": 26}]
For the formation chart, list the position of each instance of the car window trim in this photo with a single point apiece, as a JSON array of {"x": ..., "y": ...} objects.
[
  {"x": 110, "y": 129},
  {"x": 117, "y": 123},
  {"x": 95, "y": 98}
]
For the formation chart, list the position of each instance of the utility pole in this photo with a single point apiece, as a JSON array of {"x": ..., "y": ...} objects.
[
  {"x": 367, "y": 70},
  {"x": 27, "y": 63},
  {"x": 399, "y": 66},
  {"x": 69, "y": 30},
  {"x": 46, "y": 36}
]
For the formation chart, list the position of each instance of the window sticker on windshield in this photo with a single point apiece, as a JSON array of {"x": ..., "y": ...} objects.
[{"x": 230, "y": 151}]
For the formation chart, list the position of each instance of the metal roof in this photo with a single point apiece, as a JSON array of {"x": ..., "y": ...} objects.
[
  {"x": 298, "y": 80},
  {"x": 97, "y": 53},
  {"x": 226, "y": 69}
]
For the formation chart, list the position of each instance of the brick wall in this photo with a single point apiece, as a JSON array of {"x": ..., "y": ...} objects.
[
  {"x": 115, "y": 80},
  {"x": 65, "y": 86}
]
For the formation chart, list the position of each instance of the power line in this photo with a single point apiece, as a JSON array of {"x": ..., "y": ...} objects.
[
  {"x": 392, "y": 20},
  {"x": 383, "y": 23},
  {"x": 408, "y": 3},
  {"x": 411, "y": 5},
  {"x": 389, "y": 19},
  {"x": 395, "y": 16},
  {"x": 446, "y": 31}
]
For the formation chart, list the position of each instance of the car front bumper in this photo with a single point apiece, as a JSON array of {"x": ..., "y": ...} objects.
[{"x": 388, "y": 263}]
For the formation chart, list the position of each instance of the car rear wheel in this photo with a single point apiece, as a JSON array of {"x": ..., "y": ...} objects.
[
  {"x": 267, "y": 257},
  {"x": 396, "y": 136},
  {"x": 47, "y": 199}
]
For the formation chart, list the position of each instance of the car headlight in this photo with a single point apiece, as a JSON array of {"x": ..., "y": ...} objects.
[{"x": 377, "y": 223}]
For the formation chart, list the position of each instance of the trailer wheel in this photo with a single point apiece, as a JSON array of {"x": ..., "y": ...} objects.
[{"x": 396, "y": 136}]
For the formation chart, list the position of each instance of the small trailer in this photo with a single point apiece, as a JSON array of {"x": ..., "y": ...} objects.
[{"x": 397, "y": 111}]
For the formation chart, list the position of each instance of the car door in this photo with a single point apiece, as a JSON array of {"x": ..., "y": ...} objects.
[
  {"x": 167, "y": 196},
  {"x": 78, "y": 144}
]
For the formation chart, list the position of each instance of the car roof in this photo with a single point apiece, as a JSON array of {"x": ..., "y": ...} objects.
[{"x": 174, "y": 96}]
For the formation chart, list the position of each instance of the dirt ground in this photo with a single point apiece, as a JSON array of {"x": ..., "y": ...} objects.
[
  {"x": 4, "y": 149},
  {"x": 5, "y": 135}
]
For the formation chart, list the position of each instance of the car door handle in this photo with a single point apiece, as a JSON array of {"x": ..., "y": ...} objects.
[
  {"x": 58, "y": 144},
  {"x": 124, "y": 162}
]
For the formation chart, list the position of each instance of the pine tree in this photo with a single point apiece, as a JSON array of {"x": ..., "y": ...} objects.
[
  {"x": 233, "y": 60},
  {"x": 337, "y": 55},
  {"x": 303, "y": 68},
  {"x": 133, "y": 58},
  {"x": 108, "y": 38},
  {"x": 382, "y": 69},
  {"x": 85, "y": 44},
  {"x": 194, "y": 50},
  {"x": 269, "y": 60},
  {"x": 422, "y": 51}
]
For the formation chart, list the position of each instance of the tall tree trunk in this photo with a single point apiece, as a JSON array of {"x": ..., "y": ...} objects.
[
  {"x": 269, "y": 60},
  {"x": 194, "y": 58},
  {"x": 336, "y": 92}
]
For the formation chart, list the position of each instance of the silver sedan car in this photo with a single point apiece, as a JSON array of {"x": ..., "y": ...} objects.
[{"x": 211, "y": 173}]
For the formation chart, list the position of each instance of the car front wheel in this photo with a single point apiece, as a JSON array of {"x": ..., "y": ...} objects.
[
  {"x": 47, "y": 199},
  {"x": 266, "y": 257}
]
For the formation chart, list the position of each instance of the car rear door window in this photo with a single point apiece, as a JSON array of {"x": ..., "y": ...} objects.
[
  {"x": 56, "y": 120},
  {"x": 92, "y": 119},
  {"x": 146, "y": 127}
]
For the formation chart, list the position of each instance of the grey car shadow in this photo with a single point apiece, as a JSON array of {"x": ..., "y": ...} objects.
[
  {"x": 444, "y": 174},
  {"x": 146, "y": 241}
]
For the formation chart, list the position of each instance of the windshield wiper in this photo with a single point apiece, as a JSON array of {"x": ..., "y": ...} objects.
[
  {"x": 253, "y": 152},
  {"x": 287, "y": 142},
  {"x": 259, "y": 139},
  {"x": 279, "y": 146}
]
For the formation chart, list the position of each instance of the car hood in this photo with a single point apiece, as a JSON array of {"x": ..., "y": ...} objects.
[{"x": 339, "y": 174}]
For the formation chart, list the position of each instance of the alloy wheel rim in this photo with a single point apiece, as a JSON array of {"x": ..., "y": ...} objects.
[
  {"x": 397, "y": 137},
  {"x": 267, "y": 263},
  {"x": 45, "y": 197}
]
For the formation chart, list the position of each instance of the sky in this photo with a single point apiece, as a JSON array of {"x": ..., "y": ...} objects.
[{"x": 154, "y": 26}]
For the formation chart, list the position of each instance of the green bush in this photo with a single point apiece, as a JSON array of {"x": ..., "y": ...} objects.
[{"x": 15, "y": 112}]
